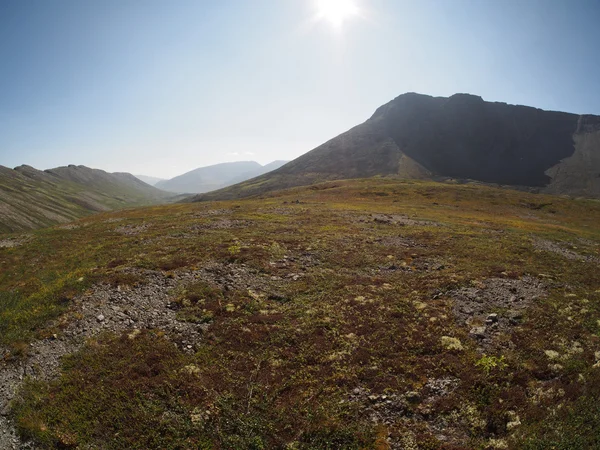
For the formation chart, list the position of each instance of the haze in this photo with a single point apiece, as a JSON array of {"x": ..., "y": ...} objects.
[{"x": 160, "y": 87}]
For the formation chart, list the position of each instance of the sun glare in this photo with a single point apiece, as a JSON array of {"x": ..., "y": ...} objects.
[{"x": 336, "y": 11}]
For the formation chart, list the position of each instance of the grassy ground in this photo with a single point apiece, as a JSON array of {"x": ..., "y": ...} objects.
[{"x": 345, "y": 324}]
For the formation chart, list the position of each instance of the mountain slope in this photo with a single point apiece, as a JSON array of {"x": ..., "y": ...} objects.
[
  {"x": 419, "y": 136},
  {"x": 257, "y": 172},
  {"x": 31, "y": 198},
  {"x": 207, "y": 178}
]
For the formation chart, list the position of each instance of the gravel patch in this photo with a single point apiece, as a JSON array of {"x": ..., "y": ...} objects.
[
  {"x": 553, "y": 247},
  {"x": 495, "y": 305},
  {"x": 104, "y": 308}
]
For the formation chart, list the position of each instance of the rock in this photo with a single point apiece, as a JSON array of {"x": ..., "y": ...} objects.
[
  {"x": 412, "y": 396},
  {"x": 100, "y": 318},
  {"x": 514, "y": 317},
  {"x": 492, "y": 318},
  {"x": 477, "y": 332}
]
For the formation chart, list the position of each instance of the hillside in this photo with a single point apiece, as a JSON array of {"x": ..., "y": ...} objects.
[
  {"x": 460, "y": 137},
  {"x": 31, "y": 198},
  {"x": 357, "y": 314},
  {"x": 210, "y": 178}
]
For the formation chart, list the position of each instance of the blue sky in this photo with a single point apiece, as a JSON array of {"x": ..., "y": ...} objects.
[{"x": 162, "y": 87}]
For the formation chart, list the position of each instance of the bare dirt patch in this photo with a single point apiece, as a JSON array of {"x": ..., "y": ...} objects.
[
  {"x": 562, "y": 250},
  {"x": 132, "y": 230},
  {"x": 390, "y": 409},
  {"x": 222, "y": 224},
  {"x": 104, "y": 308},
  {"x": 495, "y": 305},
  {"x": 10, "y": 243},
  {"x": 399, "y": 242},
  {"x": 400, "y": 220},
  {"x": 14, "y": 241},
  {"x": 213, "y": 212},
  {"x": 68, "y": 226}
]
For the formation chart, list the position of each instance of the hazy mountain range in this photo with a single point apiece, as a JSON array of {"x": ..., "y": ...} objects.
[
  {"x": 149, "y": 180},
  {"x": 209, "y": 178}
]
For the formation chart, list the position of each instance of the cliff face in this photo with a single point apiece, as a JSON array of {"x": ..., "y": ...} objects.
[
  {"x": 465, "y": 137},
  {"x": 419, "y": 136}
]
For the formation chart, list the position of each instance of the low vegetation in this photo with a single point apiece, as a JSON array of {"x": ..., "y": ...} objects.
[{"x": 351, "y": 314}]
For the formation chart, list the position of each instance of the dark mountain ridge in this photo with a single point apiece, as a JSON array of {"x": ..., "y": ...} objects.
[{"x": 463, "y": 136}]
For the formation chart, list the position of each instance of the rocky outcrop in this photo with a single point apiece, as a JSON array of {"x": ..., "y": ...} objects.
[
  {"x": 463, "y": 137},
  {"x": 579, "y": 174}
]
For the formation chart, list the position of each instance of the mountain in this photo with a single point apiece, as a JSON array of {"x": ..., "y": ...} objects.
[
  {"x": 31, "y": 198},
  {"x": 257, "y": 172},
  {"x": 463, "y": 136},
  {"x": 209, "y": 178},
  {"x": 149, "y": 180}
]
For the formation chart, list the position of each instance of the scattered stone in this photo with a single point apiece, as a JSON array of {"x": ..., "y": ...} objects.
[
  {"x": 478, "y": 332},
  {"x": 412, "y": 396},
  {"x": 559, "y": 249},
  {"x": 473, "y": 303},
  {"x": 400, "y": 220},
  {"x": 100, "y": 317},
  {"x": 132, "y": 230},
  {"x": 552, "y": 354},
  {"x": 492, "y": 318}
]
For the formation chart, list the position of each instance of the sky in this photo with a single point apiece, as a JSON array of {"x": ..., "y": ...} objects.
[{"x": 160, "y": 87}]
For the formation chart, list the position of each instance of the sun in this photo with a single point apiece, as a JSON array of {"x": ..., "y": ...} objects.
[{"x": 336, "y": 12}]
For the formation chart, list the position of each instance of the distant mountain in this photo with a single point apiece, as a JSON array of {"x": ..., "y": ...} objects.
[
  {"x": 31, "y": 198},
  {"x": 257, "y": 172},
  {"x": 463, "y": 137},
  {"x": 149, "y": 180},
  {"x": 209, "y": 178}
]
